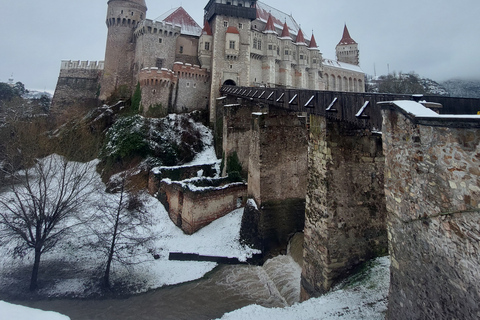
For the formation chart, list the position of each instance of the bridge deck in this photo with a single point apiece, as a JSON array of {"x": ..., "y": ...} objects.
[{"x": 360, "y": 109}]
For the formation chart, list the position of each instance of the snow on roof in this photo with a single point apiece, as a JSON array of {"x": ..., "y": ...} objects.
[
  {"x": 180, "y": 17},
  {"x": 420, "y": 111},
  {"x": 279, "y": 18},
  {"x": 341, "y": 65}
]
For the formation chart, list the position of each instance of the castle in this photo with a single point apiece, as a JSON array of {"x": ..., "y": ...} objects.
[{"x": 180, "y": 66}]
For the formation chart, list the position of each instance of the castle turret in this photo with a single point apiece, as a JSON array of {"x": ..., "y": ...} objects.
[
  {"x": 347, "y": 49},
  {"x": 122, "y": 18}
]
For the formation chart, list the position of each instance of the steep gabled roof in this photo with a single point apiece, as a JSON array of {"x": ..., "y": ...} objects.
[
  {"x": 300, "y": 38},
  {"x": 270, "y": 27},
  {"x": 180, "y": 17},
  {"x": 207, "y": 29},
  {"x": 346, "y": 39},
  {"x": 285, "y": 32},
  {"x": 313, "y": 43}
]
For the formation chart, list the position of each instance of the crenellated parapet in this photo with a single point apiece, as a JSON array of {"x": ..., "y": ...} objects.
[
  {"x": 188, "y": 71},
  {"x": 156, "y": 77},
  {"x": 85, "y": 65},
  {"x": 160, "y": 28}
]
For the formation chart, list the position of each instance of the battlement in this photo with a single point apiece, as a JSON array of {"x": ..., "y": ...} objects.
[
  {"x": 154, "y": 76},
  {"x": 160, "y": 28},
  {"x": 85, "y": 65},
  {"x": 188, "y": 71}
]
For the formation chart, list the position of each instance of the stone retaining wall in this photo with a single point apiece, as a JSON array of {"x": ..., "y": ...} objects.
[{"x": 432, "y": 186}]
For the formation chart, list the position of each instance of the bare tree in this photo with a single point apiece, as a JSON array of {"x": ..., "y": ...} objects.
[
  {"x": 121, "y": 226},
  {"x": 40, "y": 203}
]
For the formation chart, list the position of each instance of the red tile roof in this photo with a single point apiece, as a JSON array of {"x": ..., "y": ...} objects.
[
  {"x": 207, "y": 29},
  {"x": 313, "y": 43},
  {"x": 232, "y": 29},
  {"x": 270, "y": 26},
  {"x": 285, "y": 31},
  {"x": 300, "y": 38},
  {"x": 346, "y": 39},
  {"x": 180, "y": 17}
]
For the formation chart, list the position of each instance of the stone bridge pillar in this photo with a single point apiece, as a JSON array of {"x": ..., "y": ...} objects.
[
  {"x": 277, "y": 180},
  {"x": 345, "y": 204},
  {"x": 432, "y": 186}
]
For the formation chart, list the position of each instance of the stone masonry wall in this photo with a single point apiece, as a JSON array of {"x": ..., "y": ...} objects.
[
  {"x": 77, "y": 86},
  {"x": 191, "y": 210},
  {"x": 277, "y": 177},
  {"x": 432, "y": 186},
  {"x": 345, "y": 204},
  {"x": 237, "y": 123}
]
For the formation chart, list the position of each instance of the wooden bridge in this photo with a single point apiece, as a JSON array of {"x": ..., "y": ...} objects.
[{"x": 360, "y": 109}]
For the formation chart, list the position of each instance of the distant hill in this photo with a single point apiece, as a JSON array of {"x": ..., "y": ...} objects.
[
  {"x": 462, "y": 88},
  {"x": 411, "y": 83}
]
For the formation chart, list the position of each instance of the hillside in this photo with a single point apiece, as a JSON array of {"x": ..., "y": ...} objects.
[
  {"x": 462, "y": 88},
  {"x": 410, "y": 83}
]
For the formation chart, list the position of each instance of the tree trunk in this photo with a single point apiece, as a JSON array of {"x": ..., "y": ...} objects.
[{"x": 36, "y": 266}]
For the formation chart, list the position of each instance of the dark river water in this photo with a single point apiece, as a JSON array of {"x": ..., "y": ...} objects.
[{"x": 226, "y": 288}]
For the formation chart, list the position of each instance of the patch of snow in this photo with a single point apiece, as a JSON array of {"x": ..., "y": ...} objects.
[{"x": 15, "y": 312}]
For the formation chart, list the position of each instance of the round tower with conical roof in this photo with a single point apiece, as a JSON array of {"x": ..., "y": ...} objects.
[
  {"x": 122, "y": 18},
  {"x": 347, "y": 49}
]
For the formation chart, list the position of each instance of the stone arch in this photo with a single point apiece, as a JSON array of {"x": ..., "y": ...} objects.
[{"x": 229, "y": 82}]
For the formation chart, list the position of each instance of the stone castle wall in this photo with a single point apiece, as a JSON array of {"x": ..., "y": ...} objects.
[
  {"x": 78, "y": 84},
  {"x": 432, "y": 187},
  {"x": 345, "y": 206},
  {"x": 183, "y": 89}
]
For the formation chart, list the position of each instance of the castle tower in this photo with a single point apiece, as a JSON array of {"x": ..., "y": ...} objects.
[
  {"x": 230, "y": 23},
  {"x": 122, "y": 18},
  {"x": 347, "y": 49}
]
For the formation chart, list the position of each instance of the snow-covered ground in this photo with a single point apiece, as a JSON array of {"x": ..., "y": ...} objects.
[
  {"x": 143, "y": 272},
  {"x": 10, "y": 311}
]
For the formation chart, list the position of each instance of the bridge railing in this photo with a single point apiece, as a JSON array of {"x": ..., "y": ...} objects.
[{"x": 360, "y": 109}]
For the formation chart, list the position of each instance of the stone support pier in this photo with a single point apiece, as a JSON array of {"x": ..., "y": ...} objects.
[
  {"x": 432, "y": 186},
  {"x": 277, "y": 179},
  {"x": 345, "y": 204}
]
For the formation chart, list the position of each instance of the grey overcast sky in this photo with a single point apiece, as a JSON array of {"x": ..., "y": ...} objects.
[{"x": 439, "y": 39}]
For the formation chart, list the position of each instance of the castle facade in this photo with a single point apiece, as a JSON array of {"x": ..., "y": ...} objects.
[{"x": 180, "y": 66}]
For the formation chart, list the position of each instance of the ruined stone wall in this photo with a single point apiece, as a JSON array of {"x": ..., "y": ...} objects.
[
  {"x": 432, "y": 186},
  {"x": 78, "y": 84},
  {"x": 345, "y": 204},
  {"x": 192, "y": 209}
]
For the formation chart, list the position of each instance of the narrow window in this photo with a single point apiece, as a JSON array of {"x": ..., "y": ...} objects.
[
  {"x": 225, "y": 24},
  {"x": 259, "y": 45},
  {"x": 232, "y": 45},
  {"x": 240, "y": 26},
  {"x": 207, "y": 45},
  {"x": 160, "y": 40},
  {"x": 181, "y": 49}
]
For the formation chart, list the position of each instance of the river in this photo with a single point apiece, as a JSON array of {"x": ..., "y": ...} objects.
[{"x": 226, "y": 288}]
